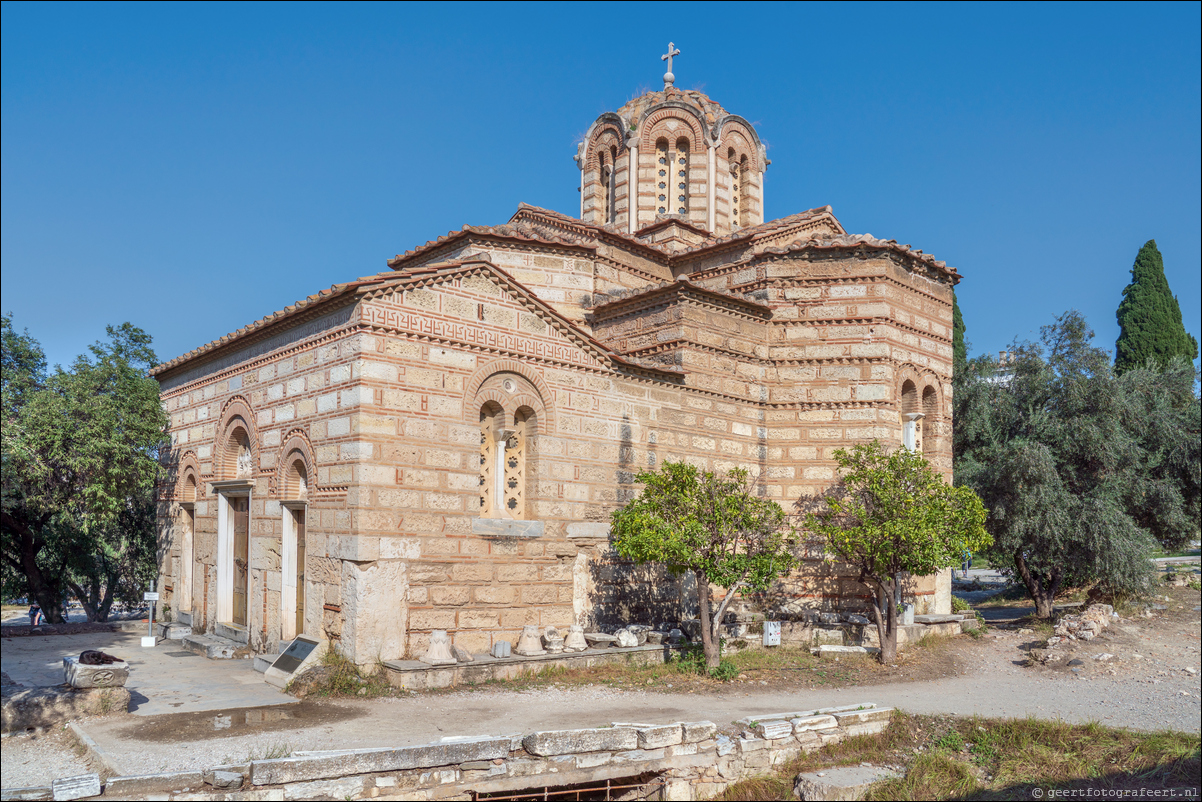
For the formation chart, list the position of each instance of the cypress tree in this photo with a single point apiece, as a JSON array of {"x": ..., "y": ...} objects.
[
  {"x": 959, "y": 348},
  {"x": 1149, "y": 317}
]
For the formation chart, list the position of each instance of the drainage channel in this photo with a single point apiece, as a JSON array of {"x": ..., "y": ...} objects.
[{"x": 618, "y": 789}]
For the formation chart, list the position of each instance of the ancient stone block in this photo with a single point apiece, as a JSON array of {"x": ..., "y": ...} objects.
[
  {"x": 563, "y": 742},
  {"x": 79, "y": 675},
  {"x": 696, "y": 731},
  {"x": 79, "y": 787},
  {"x": 656, "y": 737},
  {"x": 810, "y": 723},
  {"x": 365, "y": 761}
]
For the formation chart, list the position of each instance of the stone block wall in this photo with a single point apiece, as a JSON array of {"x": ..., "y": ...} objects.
[
  {"x": 680, "y": 761},
  {"x": 383, "y": 395}
]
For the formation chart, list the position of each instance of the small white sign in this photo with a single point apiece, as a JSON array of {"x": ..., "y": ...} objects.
[
  {"x": 772, "y": 633},
  {"x": 150, "y": 596}
]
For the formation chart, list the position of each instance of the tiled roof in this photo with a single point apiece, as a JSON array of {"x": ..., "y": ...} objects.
[
  {"x": 763, "y": 229},
  {"x": 711, "y": 111},
  {"x": 320, "y": 298},
  {"x": 622, "y": 297},
  {"x": 864, "y": 241},
  {"x": 408, "y": 276},
  {"x": 506, "y": 231}
]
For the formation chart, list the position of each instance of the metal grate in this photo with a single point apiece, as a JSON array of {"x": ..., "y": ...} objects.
[{"x": 609, "y": 788}]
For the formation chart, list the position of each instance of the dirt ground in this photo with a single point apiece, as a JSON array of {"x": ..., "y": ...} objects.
[{"x": 1146, "y": 685}]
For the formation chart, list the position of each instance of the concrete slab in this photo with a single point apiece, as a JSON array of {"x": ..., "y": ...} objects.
[
  {"x": 843, "y": 783},
  {"x": 164, "y": 679}
]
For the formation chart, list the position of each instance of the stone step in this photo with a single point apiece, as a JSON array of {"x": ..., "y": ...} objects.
[
  {"x": 234, "y": 632},
  {"x": 264, "y": 661},
  {"x": 211, "y": 646},
  {"x": 174, "y": 631}
]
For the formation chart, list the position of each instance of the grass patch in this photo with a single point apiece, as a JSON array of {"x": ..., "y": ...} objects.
[
  {"x": 975, "y": 758},
  {"x": 272, "y": 752},
  {"x": 337, "y": 676}
]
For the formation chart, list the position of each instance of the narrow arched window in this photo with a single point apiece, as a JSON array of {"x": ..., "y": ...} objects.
[
  {"x": 663, "y": 186},
  {"x": 911, "y": 417},
  {"x": 930, "y": 410},
  {"x": 611, "y": 210},
  {"x": 604, "y": 179},
  {"x": 744, "y": 193},
  {"x": 515, "y": 465},
  {"x": 680, "y": 176},
  {"x": 488, "y": 459},
  {"x": 736, "y": 189}
]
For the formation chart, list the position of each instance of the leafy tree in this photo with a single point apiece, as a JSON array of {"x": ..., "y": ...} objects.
[
  {"x": 1083, "y": 471},
  {"x": 718, "y": 529},
  {"x": 1150, "y": 318},
  {"x": 890, "y": 515},
  {"x": 959, "y": 347},
  {"x": 80, "y": 458}
]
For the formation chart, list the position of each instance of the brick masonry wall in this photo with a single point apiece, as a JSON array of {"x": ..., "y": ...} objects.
[{"x": 387, "y": 398}]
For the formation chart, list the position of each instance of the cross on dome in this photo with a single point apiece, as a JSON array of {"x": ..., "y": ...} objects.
[{"x": 669, "y": 78}]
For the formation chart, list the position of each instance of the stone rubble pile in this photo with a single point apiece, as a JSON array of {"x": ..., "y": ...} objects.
[{"x": 1084, "y": 626}]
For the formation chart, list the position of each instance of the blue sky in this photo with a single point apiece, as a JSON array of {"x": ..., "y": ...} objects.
[{"x": 191, "y": 168}]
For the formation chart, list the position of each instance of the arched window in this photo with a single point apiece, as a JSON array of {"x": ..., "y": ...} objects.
[
  {"x": 503, "y": 461},
  {"x": 736, "y": 188},
  {"x": 744, "y": 194},
  {"x": 490, "y": 419},
  {"x": 930, "y": 410},
  {"x": 680, "y": 176},
  {"x": 663, "y": 187},
  {"x": 911, "y": 417},
  {"x": 604, "y": 180},
  {"x": 611, "y": 209},
  {"x": 237, "y": 459}
]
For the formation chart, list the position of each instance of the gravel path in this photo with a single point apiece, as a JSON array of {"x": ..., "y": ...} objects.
[{"x": 28, "y": 762}]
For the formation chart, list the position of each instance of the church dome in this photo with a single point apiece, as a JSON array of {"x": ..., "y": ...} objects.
[{"x": 672, "y": 154}]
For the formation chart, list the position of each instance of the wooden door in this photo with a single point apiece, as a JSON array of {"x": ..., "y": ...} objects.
[
  {"x": 299, "y": 516},
  {"x": 240, "y": 512}
]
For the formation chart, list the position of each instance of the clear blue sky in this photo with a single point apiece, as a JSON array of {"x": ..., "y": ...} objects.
[{"x": 191, "y": 168}]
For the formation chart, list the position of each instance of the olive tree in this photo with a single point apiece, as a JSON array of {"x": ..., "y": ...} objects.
[
  {"x": 719, "y": 529},
  {"x": 889, "y": 515},
  {"x": 1085, "y": 472},
  {"x": 80, "y": 461}
]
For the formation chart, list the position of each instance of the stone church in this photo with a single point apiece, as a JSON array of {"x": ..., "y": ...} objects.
[{"x": 439, "y": 446}]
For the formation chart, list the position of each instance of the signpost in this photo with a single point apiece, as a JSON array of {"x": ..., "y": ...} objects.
[{"x": 151, "y": 596}]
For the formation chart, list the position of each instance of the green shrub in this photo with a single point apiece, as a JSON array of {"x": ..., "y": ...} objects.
[{"x": 726, "y": 671}]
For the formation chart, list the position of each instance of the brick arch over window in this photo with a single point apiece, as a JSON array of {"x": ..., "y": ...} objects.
[
  {"x": 746, "y": 144},
  {"x": 236, "y": 441},
  {"x": 932, "y": 408},
  {"x": 484, "y": 372},
  {"x": 509, "y": 410},
  {"x": 189, "y": 487},
  {"x": 656, "y": 126},
  {"x": 296, "y": 473},
  {"x": 605, "y": 138}
]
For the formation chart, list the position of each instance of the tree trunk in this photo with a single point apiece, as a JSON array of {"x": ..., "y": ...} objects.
[
  {"x": 885, "y": 613},
  {"x": 1044, "y": 595},
  {"x": 710, "y": 645},
  {"x": 46, "y": 592}
]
